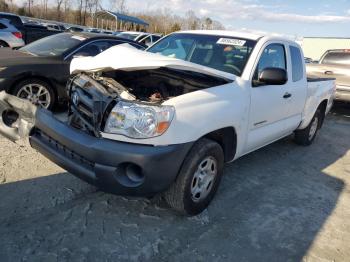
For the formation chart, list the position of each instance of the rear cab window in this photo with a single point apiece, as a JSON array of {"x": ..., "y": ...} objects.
[
  {"x": 297, "y": 63},
  {"x": 337, "y": 57}
]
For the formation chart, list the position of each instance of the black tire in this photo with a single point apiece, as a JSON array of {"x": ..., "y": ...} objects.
[
  {"x": 306, "y": 136},
  {"x": 3, "y": 44},
  {"x": 34, "y": 81},
  {"x": 179, "y": 195}
]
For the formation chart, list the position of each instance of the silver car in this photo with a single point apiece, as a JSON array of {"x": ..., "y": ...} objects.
[
  {"x": 10, "y": 36},
  {"x": 334, "y": 63}
]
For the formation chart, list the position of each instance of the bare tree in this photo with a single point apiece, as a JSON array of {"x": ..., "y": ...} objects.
[
  {"x": 191, "y": 22},
  {"x": 217, "y": 25},
  {"x": 66, "y": 7},
  {"x": 93, "y": 6},
  {"x": 119, "y": 5},
  {"x": 30, "y": 5},
  {"x": 208, "y": 23},
  {"x": 4, "y": 6},
  {"x": 83, "y": 12},
  {"x": 58, "y": 9},
  {"x": 79, "y": 11}
]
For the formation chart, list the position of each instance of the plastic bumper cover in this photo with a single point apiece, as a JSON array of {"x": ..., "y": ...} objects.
[{"x": 116, "y": 167}]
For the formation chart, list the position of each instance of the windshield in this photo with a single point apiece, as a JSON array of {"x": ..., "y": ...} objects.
[
  {"x": 128, "y": 36},
  {"x": 54, "y": 45},
  {"x": 337, "y": 57},
  {"x": 223, "y": 53}
]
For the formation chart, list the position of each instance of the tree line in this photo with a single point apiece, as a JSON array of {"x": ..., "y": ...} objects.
[{"x": 81, "y": 12}]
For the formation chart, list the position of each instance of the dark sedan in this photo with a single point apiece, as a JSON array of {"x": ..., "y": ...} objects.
[{"x": 40, "y": 70}]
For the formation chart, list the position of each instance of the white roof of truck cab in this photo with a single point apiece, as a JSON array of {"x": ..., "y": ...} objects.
[{"x": 245, "y": 35}]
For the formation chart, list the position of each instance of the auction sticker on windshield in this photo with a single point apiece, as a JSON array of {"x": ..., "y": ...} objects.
[{"x": 230, "y": 41}]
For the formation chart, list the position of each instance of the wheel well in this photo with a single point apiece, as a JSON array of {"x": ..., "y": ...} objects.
[
  {"x": 227, "y": 139},
  {"x": 323, "y": 108},
  {"x": 6, "y": 44}
]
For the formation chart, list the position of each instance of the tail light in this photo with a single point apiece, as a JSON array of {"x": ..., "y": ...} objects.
[{"x": 17, "y": 34}]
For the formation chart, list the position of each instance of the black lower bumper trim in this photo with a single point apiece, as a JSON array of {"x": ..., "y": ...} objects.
[{"x": 116, "y": 167}]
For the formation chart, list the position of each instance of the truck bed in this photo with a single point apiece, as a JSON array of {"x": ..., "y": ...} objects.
[{"x": 318, "y": 79}]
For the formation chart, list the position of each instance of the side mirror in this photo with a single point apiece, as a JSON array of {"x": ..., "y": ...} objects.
[{"x": 273, "y": 76}]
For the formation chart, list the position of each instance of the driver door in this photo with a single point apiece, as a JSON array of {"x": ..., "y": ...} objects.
[{"x": 268, "y": 108}]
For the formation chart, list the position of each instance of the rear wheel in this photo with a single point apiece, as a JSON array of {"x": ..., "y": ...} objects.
[
  {"x": 39, "y": 92},
  {"x": 307, "y": 135},
  {"x": 198, "y": 179},
  {"x": 3, "y": 44}
]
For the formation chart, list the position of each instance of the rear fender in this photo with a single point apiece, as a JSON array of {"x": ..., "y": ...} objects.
[{"x": 23, "y": 117}]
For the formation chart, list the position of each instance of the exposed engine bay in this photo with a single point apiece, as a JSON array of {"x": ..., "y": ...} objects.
[
  {"x": 93, "y": 95},
  {"x": 156, "y": 85}
]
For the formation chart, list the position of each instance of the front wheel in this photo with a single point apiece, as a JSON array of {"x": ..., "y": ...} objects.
[
  {"x": 38, "y": 92},
  {"x": 307, "y": 135},
  {"x": 198, "y": 179}
]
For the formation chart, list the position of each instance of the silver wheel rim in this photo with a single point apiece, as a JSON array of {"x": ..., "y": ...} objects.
[
  {"x": 203, "y": 179},
  {"x": 37, "y": 94},
  {"x": 313, "y": 128}
]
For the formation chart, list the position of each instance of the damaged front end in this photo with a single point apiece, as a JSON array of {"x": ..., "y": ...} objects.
[
  {"x": 76, "y": 145},
  {"x": 17, "y": 117},
  {"x": 130, "y": 103}
]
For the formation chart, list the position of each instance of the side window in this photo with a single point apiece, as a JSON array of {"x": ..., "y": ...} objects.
[
  {"x": 2, "y": 26},
  {"x": 156, "y": 38},
  {"x": 147, "y": 41},
  {"x": 95, "y": 48},
  {"x": 14, "y": 20},
  {"x": 274, "y": 55},
  {"x": 297, "y": 63}
]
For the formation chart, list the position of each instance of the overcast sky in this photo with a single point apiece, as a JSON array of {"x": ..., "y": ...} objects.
[{"x": 293, "y": 17}]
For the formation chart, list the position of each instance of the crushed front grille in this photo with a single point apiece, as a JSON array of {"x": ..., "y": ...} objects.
[{"x": 87, "y": 105}]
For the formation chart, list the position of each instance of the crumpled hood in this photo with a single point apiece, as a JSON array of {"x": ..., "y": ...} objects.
[{"x": 125, "y": 57}]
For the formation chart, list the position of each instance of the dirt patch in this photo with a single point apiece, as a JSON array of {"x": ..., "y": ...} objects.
[{"x": 283, "y": 202}]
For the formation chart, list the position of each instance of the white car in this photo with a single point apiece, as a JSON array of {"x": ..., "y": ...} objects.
[
  {"x": 10, "y": 36},
  {"x": 141, "y": 37},
  {"x": 147, "y": 123}
]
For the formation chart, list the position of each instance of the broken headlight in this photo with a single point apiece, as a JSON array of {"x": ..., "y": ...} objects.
[{"x": 139, "y": 120}]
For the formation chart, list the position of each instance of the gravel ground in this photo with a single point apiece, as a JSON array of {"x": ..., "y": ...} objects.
[{"x": 281, "y": 203}]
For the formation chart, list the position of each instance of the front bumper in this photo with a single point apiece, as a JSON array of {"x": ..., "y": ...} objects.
[
  {"x": 342, "y": 93},
  {"x": 115, "y": 167}
]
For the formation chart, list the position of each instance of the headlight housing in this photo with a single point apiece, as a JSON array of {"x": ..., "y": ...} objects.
[{"x": 139, "y": 120}]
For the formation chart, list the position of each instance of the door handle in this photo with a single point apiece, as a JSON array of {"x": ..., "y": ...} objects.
[
  {"x": 287, "y": 95},
  {"x": 328, "y": 73}
]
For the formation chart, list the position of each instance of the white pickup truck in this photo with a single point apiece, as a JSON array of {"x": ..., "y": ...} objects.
[{"x": 166, "y": 120}]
